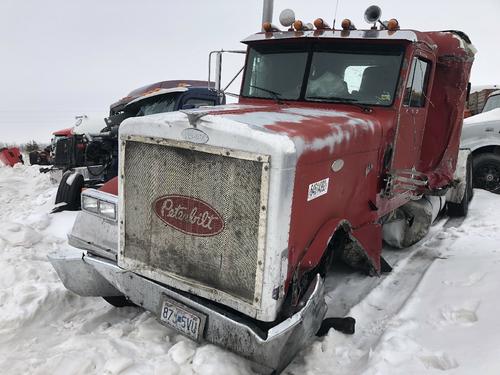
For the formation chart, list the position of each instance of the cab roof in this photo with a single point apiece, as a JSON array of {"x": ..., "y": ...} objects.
[
  {"x": 163, "y": 86},
  {"x": 446, "y": 43},
  {"x": 408, "y": 35}
]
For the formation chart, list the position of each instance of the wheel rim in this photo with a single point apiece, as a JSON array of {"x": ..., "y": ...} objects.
[{"x": 487, "y": 176}]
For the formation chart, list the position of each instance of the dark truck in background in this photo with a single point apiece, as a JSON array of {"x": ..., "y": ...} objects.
[{"x": 89, "y": 160}]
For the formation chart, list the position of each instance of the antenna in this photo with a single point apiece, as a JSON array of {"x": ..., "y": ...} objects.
[{"x": 335, "y": 16}]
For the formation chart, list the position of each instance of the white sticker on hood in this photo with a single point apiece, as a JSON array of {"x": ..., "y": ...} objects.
[{"x": 317, "y": 189}]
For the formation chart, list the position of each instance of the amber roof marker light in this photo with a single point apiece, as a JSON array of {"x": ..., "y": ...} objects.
[
  {"x": 320, "y": 24},
  {"x": 268, "y": 27},
  {"x": 301, "y": 26},
  {"x": 347, "y": 24},
  {"x": 393, "y": 24}
]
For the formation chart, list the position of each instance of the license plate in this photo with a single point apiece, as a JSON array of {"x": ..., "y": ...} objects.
[{"x": 182, "y": 318}]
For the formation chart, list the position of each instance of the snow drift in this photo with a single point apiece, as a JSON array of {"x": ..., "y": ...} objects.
[{"x": 437, "y": 311}]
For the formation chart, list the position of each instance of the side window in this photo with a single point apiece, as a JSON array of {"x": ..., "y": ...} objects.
[
  {"x": 415, "y": 92},
  {"x": 199, "y": 102}
]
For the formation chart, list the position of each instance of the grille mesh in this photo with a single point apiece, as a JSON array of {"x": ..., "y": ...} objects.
[{"x": 227, "y": 261}]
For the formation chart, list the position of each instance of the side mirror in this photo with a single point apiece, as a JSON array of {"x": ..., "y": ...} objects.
[{"x": 188, "y": 106}]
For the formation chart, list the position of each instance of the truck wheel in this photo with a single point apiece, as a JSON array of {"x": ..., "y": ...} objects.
[
  {"x": 119, "y": 301},
  {"x": 33, "y": 155},
  {"x": 69, "y": 191},
  {"x": 461, "y": 209},
  {"x": 486, "y": 173}
]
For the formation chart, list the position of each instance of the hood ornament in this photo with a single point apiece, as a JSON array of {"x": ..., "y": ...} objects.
[{"x": 195, "y": 116}]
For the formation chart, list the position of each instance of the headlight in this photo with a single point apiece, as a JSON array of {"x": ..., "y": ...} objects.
[
  {"x": 90, "y": 204},
  {"x": 100, "y": 204},
  {"x": 107, "y": 209}
]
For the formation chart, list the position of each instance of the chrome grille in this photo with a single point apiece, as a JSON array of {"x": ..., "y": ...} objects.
[{"x": 227, "y": 261}]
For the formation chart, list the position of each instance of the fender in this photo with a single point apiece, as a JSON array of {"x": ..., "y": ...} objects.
[
  {"x": 368, "y": 237},
  {"x": 477, "y": 143}
]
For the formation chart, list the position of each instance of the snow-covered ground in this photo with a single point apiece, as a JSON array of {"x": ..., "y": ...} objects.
[{"x": 437, "y": 311}]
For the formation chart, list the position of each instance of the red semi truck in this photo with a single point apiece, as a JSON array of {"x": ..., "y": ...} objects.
[{"x": 224, "y": 221}]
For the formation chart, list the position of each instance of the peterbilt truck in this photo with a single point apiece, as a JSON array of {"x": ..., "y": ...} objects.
[{"x": 224, "y": 221}]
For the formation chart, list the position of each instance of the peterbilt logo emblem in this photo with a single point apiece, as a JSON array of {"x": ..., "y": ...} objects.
[
  {"x": 194, "y": 135},
  {"x": 188, "y": 215}
]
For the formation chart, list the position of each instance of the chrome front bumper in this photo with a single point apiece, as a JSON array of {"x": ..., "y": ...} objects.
[{"x": 271, "y": 349}]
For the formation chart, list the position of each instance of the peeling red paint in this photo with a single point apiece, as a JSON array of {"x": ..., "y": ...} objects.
[{"x": 394, "y": 138}]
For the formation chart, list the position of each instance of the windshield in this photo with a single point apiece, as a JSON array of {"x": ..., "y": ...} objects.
[
  {"x": 317, "y": 72},
  {"x": 492, "y": 103},
  {"x": 153, "y": 105}
]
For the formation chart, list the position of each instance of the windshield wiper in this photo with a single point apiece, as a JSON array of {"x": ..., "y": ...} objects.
[
  {"x": 339, "y": 99},
  {"x": 333, "y": 98},
  {"x": 276, "y": 95}
]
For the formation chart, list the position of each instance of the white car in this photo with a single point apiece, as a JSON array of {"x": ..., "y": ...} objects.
[
  {"x": 481, "y": 134},
  {"x": 492, "y": 102}
]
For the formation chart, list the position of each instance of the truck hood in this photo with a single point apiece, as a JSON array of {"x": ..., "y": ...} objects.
[
  {"x": 483, "y": 118},
  {"x": 293, "y": 129},
  {"x": 481, "y": 130}
]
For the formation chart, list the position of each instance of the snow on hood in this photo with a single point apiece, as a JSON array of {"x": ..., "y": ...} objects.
[{"x": 308, "y": 128}]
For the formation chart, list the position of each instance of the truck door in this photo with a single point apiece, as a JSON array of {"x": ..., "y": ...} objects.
[{"x": 411, "y": 125}]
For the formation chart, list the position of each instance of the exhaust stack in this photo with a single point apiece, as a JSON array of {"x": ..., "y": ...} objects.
[{"x": 267, "y": 12}]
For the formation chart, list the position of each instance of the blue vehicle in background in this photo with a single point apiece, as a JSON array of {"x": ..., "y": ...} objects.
[{"x": 90, "y": 160}]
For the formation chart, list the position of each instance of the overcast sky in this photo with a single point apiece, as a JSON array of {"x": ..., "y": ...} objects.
[{"x": 62, "y": 58}]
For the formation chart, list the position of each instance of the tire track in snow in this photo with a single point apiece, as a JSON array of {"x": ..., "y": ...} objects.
[{"x": 374, "y": 305}]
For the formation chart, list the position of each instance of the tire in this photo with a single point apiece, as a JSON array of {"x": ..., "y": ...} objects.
[
  {"x": 119, "y": 301},
  {"x": 33, "y": 158},
  {"x": 461, "y": 209},
  {"x": 486, "y": 172},
  {"x": 69, "y": 194}
]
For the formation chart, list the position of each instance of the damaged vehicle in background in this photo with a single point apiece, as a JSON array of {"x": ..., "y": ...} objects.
[
  {"x": 89, "y": 158},
  {"x": 225, "y": 221},
  {"x": 47, "y": 155},
  {"x": 10, "y": 156}
]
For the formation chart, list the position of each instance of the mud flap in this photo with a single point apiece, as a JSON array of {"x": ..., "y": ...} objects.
[
  {"x": 345, "y": 325},
  {"x": 384, "y": 266}
]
